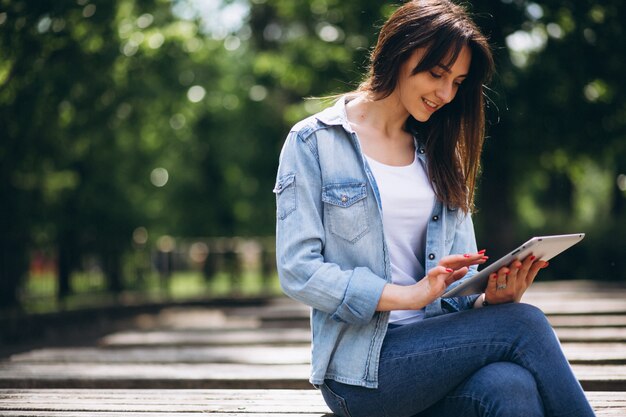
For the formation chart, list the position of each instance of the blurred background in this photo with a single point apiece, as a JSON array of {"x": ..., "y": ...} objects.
[{"x": 139, "y": 139}]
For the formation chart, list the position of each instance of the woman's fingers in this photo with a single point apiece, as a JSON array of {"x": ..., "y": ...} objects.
[
  {"x": 441, "y": 273},
  {"x": 527, "y": 263},
  {"x": 501, "y": 279},
  {"x": 509, "y": 284},
  {"x": 461, "y": 260},
  {"x": 457, "y": 275},
  {"x": 490, "y": 291},
  {"x": 514, "y": 277},
  {"x": 459, "y": 264},
  {"x": 534, "y": 270},
  {"x": 529, "y": 269},
  {"x": 437, "y": 279}
]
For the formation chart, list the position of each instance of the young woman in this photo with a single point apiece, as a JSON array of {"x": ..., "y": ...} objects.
[{"x": 374, "y": 199}]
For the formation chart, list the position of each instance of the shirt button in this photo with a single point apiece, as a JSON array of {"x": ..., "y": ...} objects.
[
  {"x": 344, "y": 198},
  {"x": 422, "y": 150},
  {"x": 435, "y": 218},
  {"x": 431, "y": 256}
]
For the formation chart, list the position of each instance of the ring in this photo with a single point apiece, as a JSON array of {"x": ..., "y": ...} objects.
[{"x": 501, "y": 287}]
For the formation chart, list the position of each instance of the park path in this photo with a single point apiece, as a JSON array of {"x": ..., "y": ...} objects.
[{"x": 253, "y": 360}]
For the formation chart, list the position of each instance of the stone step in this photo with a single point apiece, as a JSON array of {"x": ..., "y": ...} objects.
[{"x": 184, "y": 403}]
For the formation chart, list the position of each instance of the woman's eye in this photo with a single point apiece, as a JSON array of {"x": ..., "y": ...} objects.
[{"x": 434, "y": 75}]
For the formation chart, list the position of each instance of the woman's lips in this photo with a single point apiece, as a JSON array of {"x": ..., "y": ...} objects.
[{"x": 430, "y": 106}]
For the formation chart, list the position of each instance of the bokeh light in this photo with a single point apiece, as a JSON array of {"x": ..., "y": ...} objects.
[
  {"x": 140, "y": 235},
  {"x": 196, "y": 93},
  {"x": 159, "y": 177}
]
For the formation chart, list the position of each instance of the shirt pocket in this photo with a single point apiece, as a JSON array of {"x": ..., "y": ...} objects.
[
  {"x": 285, "y": 190},
  {"x": 345, "y": 210}
]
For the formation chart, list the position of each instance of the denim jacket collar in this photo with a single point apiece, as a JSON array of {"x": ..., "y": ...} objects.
[{"x": 336, "y": 115}]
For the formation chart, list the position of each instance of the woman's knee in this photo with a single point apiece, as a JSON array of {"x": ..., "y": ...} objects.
[
  {"x": 526, "y": 316},
  {"x": 503, "y": 389},
  {"x": 506, "y": 377}
]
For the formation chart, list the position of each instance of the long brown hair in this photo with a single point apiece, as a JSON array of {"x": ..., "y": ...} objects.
[{"x": 454, "y": 135}]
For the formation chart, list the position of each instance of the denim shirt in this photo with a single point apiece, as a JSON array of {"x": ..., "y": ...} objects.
[{"x": 331, "y": 251}]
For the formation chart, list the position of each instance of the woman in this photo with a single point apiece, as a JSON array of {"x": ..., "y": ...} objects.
[{"x": 374, "y": 199}]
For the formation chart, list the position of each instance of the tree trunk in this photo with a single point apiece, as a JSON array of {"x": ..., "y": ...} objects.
[
  {"x": 112, "y": 265},
  {"x": 13, "y": 266}
]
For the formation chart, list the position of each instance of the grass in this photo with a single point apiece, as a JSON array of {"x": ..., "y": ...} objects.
[{"x": 88, "y": 289}]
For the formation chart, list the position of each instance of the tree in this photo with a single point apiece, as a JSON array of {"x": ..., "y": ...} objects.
[
  {"x": 553, "y": 159},
  {"x": 122, "y": 114}
]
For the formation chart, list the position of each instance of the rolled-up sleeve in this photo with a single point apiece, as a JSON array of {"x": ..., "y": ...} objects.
[{"x": 361, "y": 297}]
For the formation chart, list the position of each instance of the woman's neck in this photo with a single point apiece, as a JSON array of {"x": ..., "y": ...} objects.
[
  {"x": 385, "y": 116},
  {"x": 380, "y": 127}
]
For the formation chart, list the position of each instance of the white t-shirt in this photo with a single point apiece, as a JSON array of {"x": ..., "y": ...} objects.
[{"x": 407, "y": 199}]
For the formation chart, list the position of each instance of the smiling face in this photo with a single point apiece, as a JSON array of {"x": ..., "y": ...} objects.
[{"x": 425, "y": 92}]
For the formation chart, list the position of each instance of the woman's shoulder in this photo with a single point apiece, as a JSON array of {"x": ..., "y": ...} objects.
[{"x": 307, "y": 127}]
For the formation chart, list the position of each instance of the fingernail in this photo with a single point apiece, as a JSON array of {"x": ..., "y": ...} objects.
[
  {"x": 532, "y": 258},
  {"x": 493, "y": 276},
  {"x": 467, "y": 255},
  {"x": 546, "y": 265},
  {"x": 449, "y": 270},
  {"x": 485, "y": 257},
  {"x": 482, "y": 251}
]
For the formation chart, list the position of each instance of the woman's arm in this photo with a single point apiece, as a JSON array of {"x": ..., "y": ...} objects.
[{"x": 348, "y": 295}]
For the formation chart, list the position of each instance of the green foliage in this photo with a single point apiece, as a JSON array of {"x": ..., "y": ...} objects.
[
  {"x": 122, "y": 114},
  {"x": 553, "y": 160}
]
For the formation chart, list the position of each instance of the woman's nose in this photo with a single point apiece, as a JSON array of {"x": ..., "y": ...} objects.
[{"x": 446, "y": 92}]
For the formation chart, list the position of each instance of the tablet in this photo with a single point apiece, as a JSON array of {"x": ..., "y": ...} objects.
[{"x": 543, "y": 247}]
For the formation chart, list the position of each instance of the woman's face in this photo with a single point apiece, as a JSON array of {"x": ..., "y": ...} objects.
[{"x": 424, "y": 93}]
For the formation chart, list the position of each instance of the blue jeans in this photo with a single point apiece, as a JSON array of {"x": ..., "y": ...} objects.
[{"x": 500, "y": 360}]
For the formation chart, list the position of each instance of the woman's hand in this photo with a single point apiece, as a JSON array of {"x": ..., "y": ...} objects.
[
  {"x": 414, "y": 297},
  {"x": 451, "y": 268},
  {"x": 461, "y": 263},
  {"x": 510, "y": 283}
]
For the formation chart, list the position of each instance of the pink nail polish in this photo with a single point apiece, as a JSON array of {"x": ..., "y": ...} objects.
[
  {"x": 449, "y": 270},
  {"x": 482, "y": 251},
  {"x": 467, "y": 255}
]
